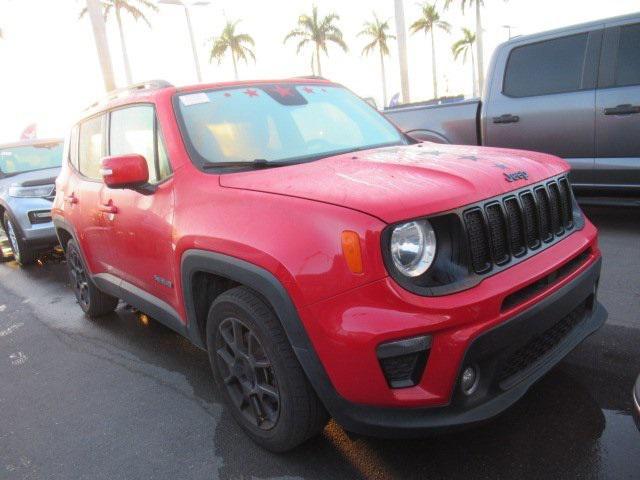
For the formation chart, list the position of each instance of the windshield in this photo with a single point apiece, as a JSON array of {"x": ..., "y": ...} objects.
[
  {"x": 30, "y": 157},
  {"x": 280, "y": 123}
]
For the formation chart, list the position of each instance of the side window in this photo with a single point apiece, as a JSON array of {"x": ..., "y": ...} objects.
[
  {"x": 134, "y": 130},
  {"x": 628, "y": 65},
  {"x": 551, "y": 66},
  {"x": 131, "y": 131},
  {"x": 91, "y": 147}
]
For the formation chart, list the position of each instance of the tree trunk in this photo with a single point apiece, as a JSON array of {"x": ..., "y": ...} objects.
[
  {"x": 473, "y": 72},
  {"x": 402, "y": 49},
  {"x": 384, "y": 81},
  {"x": 318, "y": 61},
  {"x": 433, "y": 66},
  {"x": 125, "y": 57},
  {"x": 235, "y": 65},
  {"x": 479, "y": 46}
]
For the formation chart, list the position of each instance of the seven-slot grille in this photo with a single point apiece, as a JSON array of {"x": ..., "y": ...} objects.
[{"x": 509, "y": 227}]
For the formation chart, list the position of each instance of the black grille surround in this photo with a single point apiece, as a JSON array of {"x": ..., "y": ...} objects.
[{"x": 484, "y": 238}]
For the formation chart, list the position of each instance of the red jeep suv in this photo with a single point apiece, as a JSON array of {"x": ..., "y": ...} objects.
[{"x": 328, "y": 263}]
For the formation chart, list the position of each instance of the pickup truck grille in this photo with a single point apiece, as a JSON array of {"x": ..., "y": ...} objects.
[{"x": 500, "y": 230}]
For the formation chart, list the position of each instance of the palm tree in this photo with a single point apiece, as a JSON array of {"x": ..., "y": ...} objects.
[
  {"x": 377, "y": 32},
  {"x": 319, "y": 31},
  {"x": 235, "y": 43},
  {"x": 479, "y": 48},
  {"x": 427, "y": 23},
  {"x": 120, "y": 7},
  {"x": 463, "y": 47}
]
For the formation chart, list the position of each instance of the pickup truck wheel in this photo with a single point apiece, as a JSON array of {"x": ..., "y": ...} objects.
[
  {"x": 21, "y": 253},
  {"x": 256, "y": 370},
  {"x": 94, "y": 303}
]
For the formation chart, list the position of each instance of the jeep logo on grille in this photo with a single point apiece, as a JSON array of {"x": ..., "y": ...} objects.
[{"x": 515, "y": 176}]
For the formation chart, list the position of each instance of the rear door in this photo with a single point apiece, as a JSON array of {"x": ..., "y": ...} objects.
[
  {"x": 618, "y": 110},
  {"x": 545, "y": 101},
  {"x": 91, "y": 225},
  {"x": 141, "y": 229}
]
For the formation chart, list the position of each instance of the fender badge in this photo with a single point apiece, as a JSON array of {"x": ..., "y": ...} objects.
[{"x": 515, "y": 176}]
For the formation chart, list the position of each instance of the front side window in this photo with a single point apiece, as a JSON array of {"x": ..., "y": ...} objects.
[
  {"x": 628, "y": 63},
  {"x": 90, "y": 150},
  {"x": 14, "y": 160},
  {"x": 280, "y": 123},
  {"x": 133, "y": 130},
  {"x": 552, "y": 66}
]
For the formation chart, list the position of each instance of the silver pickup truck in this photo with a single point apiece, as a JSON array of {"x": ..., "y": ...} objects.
[{"x": 572, "y": 92}]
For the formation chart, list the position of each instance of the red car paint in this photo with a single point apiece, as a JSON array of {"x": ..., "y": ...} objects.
[{"x": 288, "y": 221}]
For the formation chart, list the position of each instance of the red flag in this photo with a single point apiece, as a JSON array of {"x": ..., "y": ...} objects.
[{"x": 29, "y": 133}]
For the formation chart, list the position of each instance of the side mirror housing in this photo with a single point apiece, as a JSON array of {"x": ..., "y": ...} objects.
[{"x": 125, "y": 171}]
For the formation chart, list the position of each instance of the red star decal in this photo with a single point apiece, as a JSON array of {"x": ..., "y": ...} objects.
[
  {"x": 251, "y": 92},
  {"x": 282, "y": 91},
  {"x": 227, "y": 94},
  {"x": 308, "y": 89}
]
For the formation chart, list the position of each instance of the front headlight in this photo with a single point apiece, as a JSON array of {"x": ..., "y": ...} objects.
[
  {"x": 413, "y": 247},
  {"x": 35, "y": 191}
]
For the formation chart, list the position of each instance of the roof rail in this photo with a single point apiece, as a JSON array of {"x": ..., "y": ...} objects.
[
  {"x": 311, "y": 77},
  {"x": 128, "y": 90}
]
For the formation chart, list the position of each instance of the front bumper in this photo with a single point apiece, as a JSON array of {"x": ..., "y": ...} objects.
[
  {"x": 35, "y": 235},
  {"x": 468, "y": 328}
]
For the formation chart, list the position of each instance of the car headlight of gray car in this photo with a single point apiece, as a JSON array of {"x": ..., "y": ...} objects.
[{"x": 36, "y": 191}]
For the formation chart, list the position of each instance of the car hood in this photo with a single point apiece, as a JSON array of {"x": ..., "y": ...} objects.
[
  {"x": 34, "y": 178},
  {"x": 402, "y": 182}
]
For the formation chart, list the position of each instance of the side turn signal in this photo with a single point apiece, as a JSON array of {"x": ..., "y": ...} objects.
[{"x": 351, "y": 250}]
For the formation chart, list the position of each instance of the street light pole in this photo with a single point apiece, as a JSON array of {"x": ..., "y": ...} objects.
[
  {"x": 402, "y": 49},
  {"x": 102, "y": 46},
  {"x": 190, "y": 28}
]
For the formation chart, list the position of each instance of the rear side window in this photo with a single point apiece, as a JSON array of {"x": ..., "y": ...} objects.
[
  {"x": 552, "y": 66},
  {"x": 91, "y": 146},
  {"x": 628, "y": 64},
  {"x": 134, "y": 130},
  {"x": 73, "y": 147}
]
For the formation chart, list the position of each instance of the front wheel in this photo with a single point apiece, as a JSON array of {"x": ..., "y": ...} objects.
[
  {"x": 21, "y": 252},
  {"x": 259, "y": 375},
  {"x": 94, "y": 303}
]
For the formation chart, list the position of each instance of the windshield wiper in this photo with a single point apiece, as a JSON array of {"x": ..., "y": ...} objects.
[{"x": 256, "y": 163}]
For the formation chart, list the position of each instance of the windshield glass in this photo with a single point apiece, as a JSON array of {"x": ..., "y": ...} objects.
[
  {"x": 279, "y": 123},
  {"x": 30, "y": 157}
]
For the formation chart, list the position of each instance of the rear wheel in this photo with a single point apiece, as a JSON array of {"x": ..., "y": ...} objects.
[
  {"x": 255, "y": 368},
  {"x": 21, "y": 252},
  {"x": 94, "y": 303}
]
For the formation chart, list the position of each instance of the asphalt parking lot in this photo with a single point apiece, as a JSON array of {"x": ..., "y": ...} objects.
[{"x": 125, "y": 397}]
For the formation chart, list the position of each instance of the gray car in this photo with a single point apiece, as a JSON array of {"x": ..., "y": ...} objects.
[
  {"x": 572, "y": 92},
  {"x": 28, "y": 171}
]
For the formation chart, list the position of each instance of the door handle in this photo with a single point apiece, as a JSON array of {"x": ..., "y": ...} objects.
[
  {"x": 506, "y": 118},
  {"x": 626, "y": 109},
  {"x": 72, "y": 199},
  {"x": 108, "y": 208}
]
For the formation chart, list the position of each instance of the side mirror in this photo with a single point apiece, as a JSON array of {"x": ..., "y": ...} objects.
[{"x": 125, "y": 171}]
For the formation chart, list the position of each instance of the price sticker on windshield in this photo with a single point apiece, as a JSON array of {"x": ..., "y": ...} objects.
[{"x": 194, "y": 99}]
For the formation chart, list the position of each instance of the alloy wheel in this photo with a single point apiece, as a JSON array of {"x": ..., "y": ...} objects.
[
  {"x": 247, "y": 373},
  {"x": 13, "y": 240},
  {"x": 78, "y": 277}
]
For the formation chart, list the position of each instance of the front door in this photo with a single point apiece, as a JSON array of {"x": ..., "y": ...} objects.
[
  {"x": 546, "y": 99},
  {"x": 141, "y": 222},
  {"x": 618, "y": 111}
]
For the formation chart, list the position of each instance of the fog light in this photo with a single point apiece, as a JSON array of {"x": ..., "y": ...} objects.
[{"x": 469, "y": 380}]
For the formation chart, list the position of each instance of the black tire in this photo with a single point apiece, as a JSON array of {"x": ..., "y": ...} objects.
[
  {"x": 21, "y": 252},
  {"x": 264, "y": 362},
  {"x": 94, "y": 302}
]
